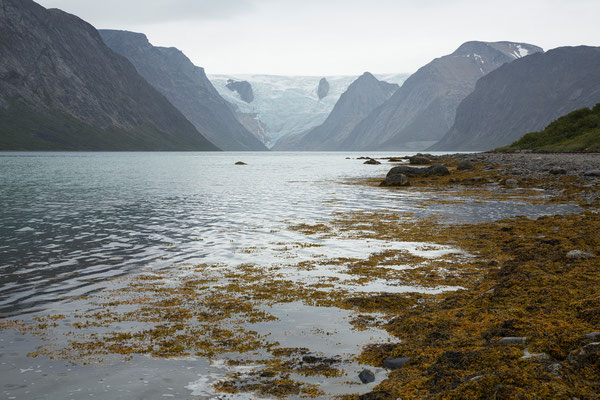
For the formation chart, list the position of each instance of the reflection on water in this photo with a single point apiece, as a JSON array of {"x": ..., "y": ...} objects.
[{"x": 70, "y": 221}]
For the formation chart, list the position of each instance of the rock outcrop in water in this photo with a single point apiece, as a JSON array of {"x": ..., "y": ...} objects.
[
  {"x": 363, "y": 95},
  {"x": 62, "y": 88},
  {"x": 323, "y": 89},
  {"x": 243, "y": 89},
  {"x": 187, "y": 88},
  {"x": 423, "y": 109},
  {"x": 525, "y": 96}
]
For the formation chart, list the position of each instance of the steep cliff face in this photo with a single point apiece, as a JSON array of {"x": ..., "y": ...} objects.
[
  {"x": 362, "y": 96},
  {"x": 186, "y": 87},
  {"x": 243, "y": 89},
  {"x": 525, "y": 96},
  {"x": 323, "y": 89},
  {"x": 62, "y": 88},
  {"x": 423, "y": 109}
]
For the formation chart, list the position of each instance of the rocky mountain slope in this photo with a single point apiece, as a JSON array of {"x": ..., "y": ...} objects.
[
  {"x": 363, "y": 95},
  {"x": 62, "y": 88},
  {"x": 286, "y": 105},
  {"x": 186, "y": 87},
  {"x": 525, "y": 96},
  {"x": 423, "y": 109}
]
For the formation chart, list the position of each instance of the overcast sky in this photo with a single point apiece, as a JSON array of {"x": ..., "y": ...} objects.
[{"x": 337, "y": 37}]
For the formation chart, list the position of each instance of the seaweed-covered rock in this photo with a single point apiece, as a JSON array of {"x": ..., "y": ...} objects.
[{"x": 372, "y": 161}]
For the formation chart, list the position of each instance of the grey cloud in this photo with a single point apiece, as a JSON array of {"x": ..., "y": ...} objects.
[{"x": 150, "y": 11}]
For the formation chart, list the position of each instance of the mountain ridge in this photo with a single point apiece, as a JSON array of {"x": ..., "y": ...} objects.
[
  {"x": 423, "y": 109},
  {"x": 186, "y": 86},
  {"x": 362, "y": 96},
  {"x": 525, "y": 96},
  {"x": 61, "y": 88}
]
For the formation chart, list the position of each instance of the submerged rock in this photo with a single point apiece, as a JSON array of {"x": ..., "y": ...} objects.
[
  {"x": 366, "y": 376},
  {"x": 395, "y": 363}
]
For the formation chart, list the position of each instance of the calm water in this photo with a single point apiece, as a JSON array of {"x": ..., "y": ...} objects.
[{"x": 68, "y": 221}]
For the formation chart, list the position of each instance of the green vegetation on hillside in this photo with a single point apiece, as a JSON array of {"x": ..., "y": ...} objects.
[{"x": 576, "y": 131}]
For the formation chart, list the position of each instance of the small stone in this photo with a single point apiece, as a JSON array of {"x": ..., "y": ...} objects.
[
  {"x": 534, "y": 356},
  {"x": 592, "y": 336},
  {"x": 513, "y": 340},
  {"x": 395, "y": 363},
  {"x": 592, "y": 348},
  {"x": 511, "y": 183},
  {"x": 465, "y": 165},
  {"x": 592, "y": 172},
  {"x": 558, "y": 171},
  {"x": 579, "y": 255},
  {"x": 372, "y": 161},
  {"x": 366, "y": 376}
]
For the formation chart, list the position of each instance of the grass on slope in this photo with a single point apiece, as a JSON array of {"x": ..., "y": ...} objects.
[{"x": 576, "y": 131}]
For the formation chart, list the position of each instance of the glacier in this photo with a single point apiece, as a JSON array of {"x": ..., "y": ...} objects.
[{"x": 285, "y": 105}]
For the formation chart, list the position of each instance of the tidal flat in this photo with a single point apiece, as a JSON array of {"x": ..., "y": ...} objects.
[{"x": 485, "y": 288}]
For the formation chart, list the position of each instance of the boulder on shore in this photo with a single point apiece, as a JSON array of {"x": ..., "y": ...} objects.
[
  {"x": 396, "y": 180},
  {"x": 372, "y": 161},
  {"x": 465, "y": 165},
  {"x": 435, "y": 169},
  {"x": 419, "y": 160}
]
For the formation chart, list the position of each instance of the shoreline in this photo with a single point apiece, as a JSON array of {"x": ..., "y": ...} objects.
[
  {"x": 526, "y": 326},
  {"x": 445, "y": 293}
]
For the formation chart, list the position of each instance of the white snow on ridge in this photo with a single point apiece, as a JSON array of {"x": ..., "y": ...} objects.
[{"x": 289, "y": 104}]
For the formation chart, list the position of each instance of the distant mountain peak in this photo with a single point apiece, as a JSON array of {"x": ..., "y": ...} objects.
[{"x": 423, "y": 109}]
